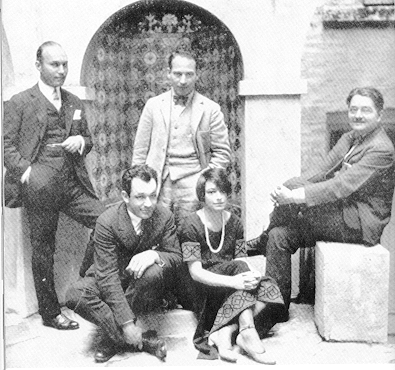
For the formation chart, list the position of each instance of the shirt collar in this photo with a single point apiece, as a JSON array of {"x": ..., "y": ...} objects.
[
  {"x": 356, "y": 138},
  {"x": 47, "y": 90},
  {"x": 135, "y": 220}
]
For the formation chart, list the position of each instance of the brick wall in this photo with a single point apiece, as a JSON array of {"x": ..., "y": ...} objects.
[{"x": 334, "y": 61}]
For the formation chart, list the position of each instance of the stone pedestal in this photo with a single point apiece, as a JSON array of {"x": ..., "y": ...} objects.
[{"x": 351, "y": 301}]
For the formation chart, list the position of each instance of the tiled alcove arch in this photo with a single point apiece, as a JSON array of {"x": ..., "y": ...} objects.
[{"x": 126, "y": 63}]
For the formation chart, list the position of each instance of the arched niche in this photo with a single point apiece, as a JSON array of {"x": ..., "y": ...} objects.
[{"x": 126, "y": 63}]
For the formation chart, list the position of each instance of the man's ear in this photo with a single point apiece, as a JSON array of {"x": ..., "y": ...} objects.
[
  {"x": 38, "y": 65},
  {"x": 380, "y": 115},
  {"x": 125, "y": 196}
]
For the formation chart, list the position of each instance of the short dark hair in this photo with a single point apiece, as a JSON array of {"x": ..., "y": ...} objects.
[
  {"x": 369, "y": 92},
  {"x": 182, "y": 53},
  {"x": 218, "y": 176},
  {"x": 141, "y": 171},
  {"x": 39, "y": 54}
]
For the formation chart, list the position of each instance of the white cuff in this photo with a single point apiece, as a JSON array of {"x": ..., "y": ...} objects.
[
  {"x": 26, "y": 174},
  {"x": 82, "y": 146},
  {"x": 299, "y": 195}
]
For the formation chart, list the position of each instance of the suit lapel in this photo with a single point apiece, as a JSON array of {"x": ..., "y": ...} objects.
[
  {"x": 68, "y": 109},
  {"x": 126, "y": 230},
  {"x": 197, "y": 107},
  {"x": 366, "y": 141},
  {"x": 165, "y": 108},
  {"x": 42, "y": 105}
]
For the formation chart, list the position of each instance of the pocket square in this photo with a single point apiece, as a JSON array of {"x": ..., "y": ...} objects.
[{"x": 77, "y": 114}]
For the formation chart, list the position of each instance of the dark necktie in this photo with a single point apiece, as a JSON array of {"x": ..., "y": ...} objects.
[
  {"x": 354, "y": 141},
  {"x": 56, "y": 99},
  {"x": 180, "y": 100}
]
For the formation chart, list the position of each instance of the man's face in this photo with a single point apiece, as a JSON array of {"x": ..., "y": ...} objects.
[
  {"x": 53, "y": 66},
  {"x": 183, "y": 75},
  {"x": 363, "y": 115},
  {"x": 142, "y": 200}
]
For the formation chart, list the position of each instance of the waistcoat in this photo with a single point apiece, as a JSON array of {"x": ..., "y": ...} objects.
[
  {"x": 182, "y": 159},
  {"x": 55, "y": 156}
]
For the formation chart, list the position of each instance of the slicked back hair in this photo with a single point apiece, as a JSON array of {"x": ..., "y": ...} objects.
[
  {"x": 181, "y": 53},
  {"x": 141, "y": 171},
  {"x": 369, "y": 92},
  {"x": 39, "y": 54}
]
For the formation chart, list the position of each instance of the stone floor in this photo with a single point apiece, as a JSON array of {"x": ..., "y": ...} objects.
[{"x": 29, "y": 344}]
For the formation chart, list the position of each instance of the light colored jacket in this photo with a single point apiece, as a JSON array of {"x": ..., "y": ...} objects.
[{"x": 210, "y": 134}]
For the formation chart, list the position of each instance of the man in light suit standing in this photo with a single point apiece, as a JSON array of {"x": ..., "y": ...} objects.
[
  {"x": 46, "y": 139},
  {"x": 180, "y": 134}
]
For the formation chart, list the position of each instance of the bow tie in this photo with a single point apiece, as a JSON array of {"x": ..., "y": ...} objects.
[
  {"x": 357, "y": 139},
  {"x": 180, "y": 100}
]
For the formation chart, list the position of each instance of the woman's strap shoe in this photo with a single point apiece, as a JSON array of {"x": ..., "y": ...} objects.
[{"x": 261, "y": 357}]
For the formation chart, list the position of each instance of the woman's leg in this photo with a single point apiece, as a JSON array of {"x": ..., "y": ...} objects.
[
  {"x": 248, "y": 338},
  {"x": 222, "y": 339}
]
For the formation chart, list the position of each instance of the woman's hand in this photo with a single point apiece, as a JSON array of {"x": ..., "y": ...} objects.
[{"x": 248, "y": 280}]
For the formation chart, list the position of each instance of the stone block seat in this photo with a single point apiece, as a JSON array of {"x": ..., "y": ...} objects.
[{"x": 352, "y": 289}]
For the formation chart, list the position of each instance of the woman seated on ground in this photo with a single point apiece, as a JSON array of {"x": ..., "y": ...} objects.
[{"x": 232, "y": 296}]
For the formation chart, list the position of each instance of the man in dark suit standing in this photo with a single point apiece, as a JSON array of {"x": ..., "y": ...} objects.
[
  {"x": 136, "y": 257},
  {"x": 346, "y": 197},
  {"x": 46, "y": 139}
]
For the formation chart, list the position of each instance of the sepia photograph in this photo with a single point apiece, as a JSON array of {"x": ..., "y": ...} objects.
[{"x": 198, "y": 183}]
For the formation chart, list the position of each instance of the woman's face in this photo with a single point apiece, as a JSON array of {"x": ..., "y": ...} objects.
[{"x": 215, "y": 199}]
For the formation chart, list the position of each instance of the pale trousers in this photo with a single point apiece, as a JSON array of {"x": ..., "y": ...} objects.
[{"x": 180, "y": 196}]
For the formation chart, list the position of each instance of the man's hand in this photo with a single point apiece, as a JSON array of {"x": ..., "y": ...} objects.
[
  {"x": 248, "y": 280},
  {"x": 282, "y": 195},
  {"x": 140, "y": 262},
  {"x": 73, "y": 143},
  {"x": 133, "y": 335}
]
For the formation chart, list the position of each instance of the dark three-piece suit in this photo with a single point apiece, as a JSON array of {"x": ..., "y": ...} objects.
[
  {"x": 58, "y": 180},
  {"x": 108, "y": 295}
]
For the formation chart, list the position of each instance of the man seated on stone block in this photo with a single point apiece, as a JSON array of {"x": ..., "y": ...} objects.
[
  {"x": 345, "y": 197},
  {"x": 137, "y": 258}
]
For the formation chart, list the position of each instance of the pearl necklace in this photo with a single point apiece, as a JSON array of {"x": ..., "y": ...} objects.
[{"x": 221, "y": 243}]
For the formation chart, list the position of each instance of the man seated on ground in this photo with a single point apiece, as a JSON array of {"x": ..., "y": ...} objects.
[
  {"x": 136, "y": 258},
  {"x": 346, "y": 197}
]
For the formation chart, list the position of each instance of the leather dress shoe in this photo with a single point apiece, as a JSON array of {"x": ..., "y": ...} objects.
[
  {"x": 154, "y": 345},
  {"x": 103, "y": 354},
  {"x": 61, "y": 322}
]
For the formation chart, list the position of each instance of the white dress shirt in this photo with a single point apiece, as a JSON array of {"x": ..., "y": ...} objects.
[
  {"x": 136, "y": 222},
  {"x": 48, "y": 92}
]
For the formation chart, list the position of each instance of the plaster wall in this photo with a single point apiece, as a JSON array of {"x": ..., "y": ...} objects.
[{"x": 270, "y": 35}]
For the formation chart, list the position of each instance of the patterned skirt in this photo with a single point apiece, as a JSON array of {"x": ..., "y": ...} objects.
[{"x": 222, "y": 306}]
